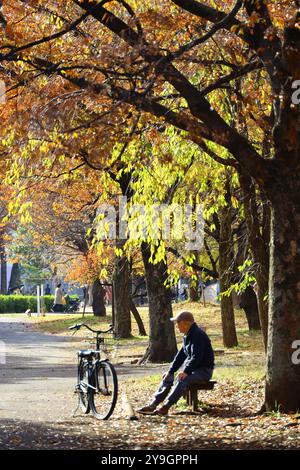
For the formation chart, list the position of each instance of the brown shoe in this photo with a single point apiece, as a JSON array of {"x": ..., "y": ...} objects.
[
  {"x": 146, "y": 410},
  {"x": 163, "y": 411}
]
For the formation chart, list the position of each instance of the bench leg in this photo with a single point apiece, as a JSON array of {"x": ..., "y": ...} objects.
[
  {"x": 194, "y": 399},
  {"x": 191, "y": 397}
]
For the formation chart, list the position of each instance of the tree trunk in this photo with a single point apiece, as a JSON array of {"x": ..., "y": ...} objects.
[
  {"x": 249, "y": 304},
  {"x": 162, "y": 342},
  {"x": 122, "y": 318},
  {"x": 225, "y": 267},
  {"x": 259, "y": 235},
  {"x": 98, "y": 305},
  {"x": 15, "y": 277},
  {"x": 194, "y": 294},
  {"x": 262, "y": 295},
  {"x": 193, "y": 288},
  {"x": 283, "y": 371},
  {"x": 228, "y": 323},
  {"x": 137, "y": 317},
  {"x": 247, "y": 300},
  {"x": 3, "y": 272},
  {"x": 283, "y": 368},
  {"x": 90, "y": 295}
]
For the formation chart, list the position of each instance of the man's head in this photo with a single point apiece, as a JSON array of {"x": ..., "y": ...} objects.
[{"x": 184, "y": 321}]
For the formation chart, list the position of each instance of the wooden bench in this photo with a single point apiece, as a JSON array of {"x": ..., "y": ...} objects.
[{"x": 191, "y": 393}]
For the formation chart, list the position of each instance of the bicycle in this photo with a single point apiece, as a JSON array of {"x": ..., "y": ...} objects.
[{"x": 97, "y": 379}]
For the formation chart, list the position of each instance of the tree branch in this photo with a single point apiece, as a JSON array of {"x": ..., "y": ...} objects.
[
  {"x": 224, "y": 23},
  {"x": 268, "y": 49},
  {"x": 195, "y": 266},
  {"x": 199, "y": 107},
  {"x": 17, "y": 50},
  {"x": 214, "y": 16},
  {"x": 209, "y": 253},
  {"x": 232, "y": 76}
]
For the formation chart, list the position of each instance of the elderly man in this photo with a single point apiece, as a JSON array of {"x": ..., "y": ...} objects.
[{"x": 197, "y": 358}]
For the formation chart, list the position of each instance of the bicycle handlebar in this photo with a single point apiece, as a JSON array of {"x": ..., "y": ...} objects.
[{"x": 77, "y": 326}]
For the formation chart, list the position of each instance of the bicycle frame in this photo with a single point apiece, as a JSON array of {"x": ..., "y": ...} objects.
[{"x": 91, "y": 364}]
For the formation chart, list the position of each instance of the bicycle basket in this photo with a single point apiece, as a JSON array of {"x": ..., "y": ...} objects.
[{"x": 108, "y": 344}]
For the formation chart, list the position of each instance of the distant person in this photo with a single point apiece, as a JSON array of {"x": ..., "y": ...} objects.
[
  {"x": 47, "y": 290},
  {"x": 17, "y": 290},
  {"x": 183, "y": 293},
  {"x": 58, "y": 300},
  {"x": 85, "y": 291},
  {"x": 196, "y": 357}
]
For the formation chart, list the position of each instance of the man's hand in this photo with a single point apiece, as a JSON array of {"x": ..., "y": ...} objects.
[{"x": 182, "y": 376}]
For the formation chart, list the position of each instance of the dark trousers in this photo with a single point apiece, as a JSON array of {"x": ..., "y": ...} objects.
[{"x": 178, "y": 388}]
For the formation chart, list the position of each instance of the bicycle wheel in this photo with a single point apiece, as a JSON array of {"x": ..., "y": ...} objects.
[
  {"x": 103, "y": 399},
  {"x": 84, "y": 392}
]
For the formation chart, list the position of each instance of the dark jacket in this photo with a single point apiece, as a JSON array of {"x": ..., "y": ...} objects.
[{"x": 195, "y": 353}]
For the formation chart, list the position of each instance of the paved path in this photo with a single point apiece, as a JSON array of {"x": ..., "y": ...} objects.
[
  {"x": 38, "y": 378},
  {"x": 38, "y": 375}
]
